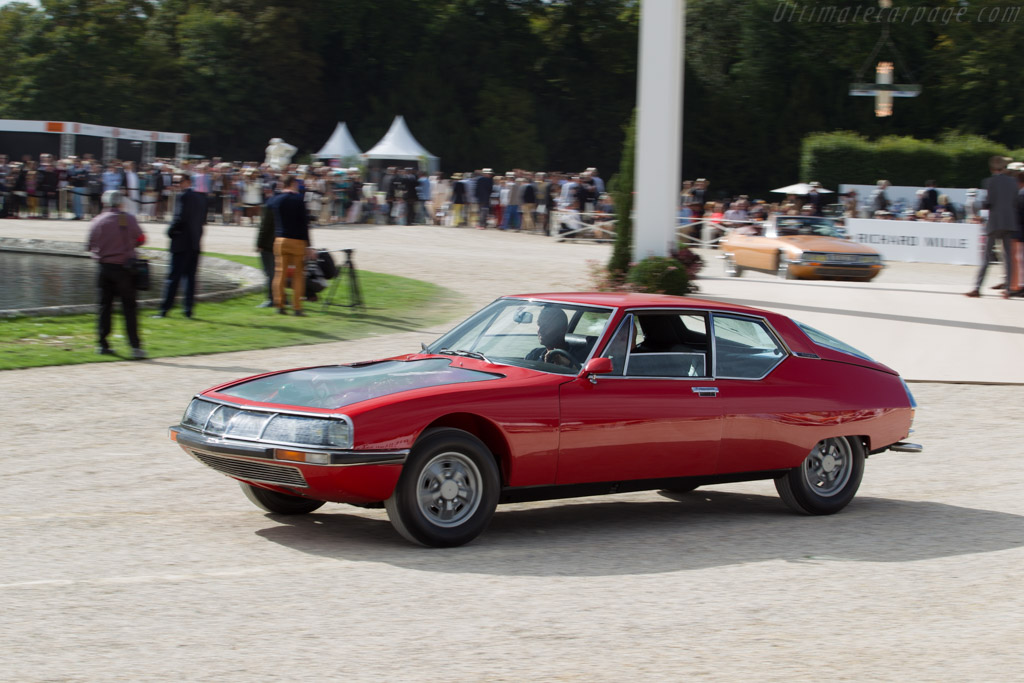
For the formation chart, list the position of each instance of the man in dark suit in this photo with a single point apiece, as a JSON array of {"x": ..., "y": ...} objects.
[
  {"x": 186, "y": 231},
  {"x": 46, "y": 184},
  {"x": 815, "y": 199},
  {"x": 929, "y": 198},
  {"x": 409, "y": 182},
  {"x": 484, "y": 187},
  {"x": 879, "y": 200},
  {"x": 1002, "y": 222}
]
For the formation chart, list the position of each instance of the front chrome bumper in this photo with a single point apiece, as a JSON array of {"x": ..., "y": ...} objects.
[{"x": 193, "y": 441}]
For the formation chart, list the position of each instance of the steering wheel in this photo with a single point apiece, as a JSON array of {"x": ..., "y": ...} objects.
[{"x": 556, "y": 356}]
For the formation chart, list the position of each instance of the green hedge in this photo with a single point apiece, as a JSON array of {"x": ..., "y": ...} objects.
[{"x": 846, "y": 157}]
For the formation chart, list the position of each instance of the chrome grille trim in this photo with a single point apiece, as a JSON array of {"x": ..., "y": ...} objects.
[
  {"x": 282, "y": 475},
  {"x": 833, "y": 269}
]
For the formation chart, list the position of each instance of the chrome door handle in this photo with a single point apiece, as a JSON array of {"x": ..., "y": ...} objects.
[{"x": 705, "y": 391}]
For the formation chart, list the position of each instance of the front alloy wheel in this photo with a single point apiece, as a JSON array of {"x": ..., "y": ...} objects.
[
  {"x": 731, "y": 269},
  {"x": 448, "y": 490},
  {"x": 783, "y": 267},
  {"x": 828, "y": 478}
]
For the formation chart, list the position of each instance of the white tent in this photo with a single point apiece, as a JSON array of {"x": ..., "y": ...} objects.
[
  {"x": 340, "y": 145},
  {"x": 398, "y": 144}
]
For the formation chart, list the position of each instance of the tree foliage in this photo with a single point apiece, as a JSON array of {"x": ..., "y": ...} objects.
[
  {"x": 622, "y": 191},
  {"x": 505, "y": 83}
]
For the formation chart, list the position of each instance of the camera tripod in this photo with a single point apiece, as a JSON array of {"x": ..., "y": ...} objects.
[{"x": 347, "y": 272}]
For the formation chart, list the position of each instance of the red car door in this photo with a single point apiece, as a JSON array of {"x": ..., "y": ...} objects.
[
  {"x": 657, "y": 416},
  {"x": 766, "y": 409}
]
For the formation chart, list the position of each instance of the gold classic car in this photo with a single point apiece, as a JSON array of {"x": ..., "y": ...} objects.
[{"x": 799, "y": 247}]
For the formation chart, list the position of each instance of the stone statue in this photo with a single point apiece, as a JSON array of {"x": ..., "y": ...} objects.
[{"x": 279, "y": 154}]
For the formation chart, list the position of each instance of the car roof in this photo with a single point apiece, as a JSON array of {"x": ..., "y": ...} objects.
[{"x": 637, "y": 300}]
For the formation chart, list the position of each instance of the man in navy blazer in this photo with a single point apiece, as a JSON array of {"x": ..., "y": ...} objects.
[
  {"x": 1002, "y": 224},
  {"x": 186, "y": 232}
]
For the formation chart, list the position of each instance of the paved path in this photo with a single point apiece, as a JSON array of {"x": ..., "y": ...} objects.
[
  {"x": 913, "y": 317},
  {"x": 122, "y": 559}
]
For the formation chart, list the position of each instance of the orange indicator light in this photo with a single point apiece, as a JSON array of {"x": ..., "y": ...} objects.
[{"x": 296, "y": 456}]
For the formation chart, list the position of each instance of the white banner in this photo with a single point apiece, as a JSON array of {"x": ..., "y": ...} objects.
[
  {"x": 19, "y": 126},
  {"x": 919, "y": 241}
]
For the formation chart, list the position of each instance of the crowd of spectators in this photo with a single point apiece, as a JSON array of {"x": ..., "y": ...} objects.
[
  {"x": 697, "y": 209},
  {"x": 545, "y": 202},
  {"x": 237, "y": 191},
  {"x": 534, "y": 201},
  {"x": 929, "y": 205}
]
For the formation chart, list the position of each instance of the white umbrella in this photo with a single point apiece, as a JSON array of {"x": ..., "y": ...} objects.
[{"x": 800, "y": 188}]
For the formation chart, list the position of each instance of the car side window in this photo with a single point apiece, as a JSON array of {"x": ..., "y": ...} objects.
[
  {"x": 669, "y": 344},
  {"x": 744, "y": 348},
  {"x": 619, "y": 346}
]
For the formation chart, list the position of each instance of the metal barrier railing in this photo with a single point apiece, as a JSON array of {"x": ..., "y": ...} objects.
[
  {"x": 705, "y": 233},
  {"x": 600, "y": 227},
  {"x": 592, "y": 226}
]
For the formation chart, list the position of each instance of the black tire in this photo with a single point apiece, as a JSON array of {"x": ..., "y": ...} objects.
[
  {"x": 448, "y": 490},
  {"x": 731, "y": 269},
  {"x": 279, "y": 503},
  {"x": 827, "y": 480},
  {"x": 782, "y": 267}
]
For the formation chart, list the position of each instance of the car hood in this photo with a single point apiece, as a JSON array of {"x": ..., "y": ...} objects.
[
  {"x": 832, "y": 245},
  {"x": 334, "y": 386}
]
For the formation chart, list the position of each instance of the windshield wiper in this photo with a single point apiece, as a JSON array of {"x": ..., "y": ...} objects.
[{"x": 463, "y": 352}]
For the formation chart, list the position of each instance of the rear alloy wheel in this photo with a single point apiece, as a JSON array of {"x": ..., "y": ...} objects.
[
  {"x": 448, "y": 490},
  {"x": 828, "y": 478},
  {"x": 279, "y": 503},
  {"x": 783, "y": 267},
  {"x": 731, "y": 269}
]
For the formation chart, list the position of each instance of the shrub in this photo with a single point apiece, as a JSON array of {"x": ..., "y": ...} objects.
[
  {"x": 843, "y": 157},
  {"x": 674, "y": 274}
]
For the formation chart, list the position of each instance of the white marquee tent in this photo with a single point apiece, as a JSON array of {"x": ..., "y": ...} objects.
[
  {"x": 398, "y": 144},
  {"x": 340, "y": 145}
]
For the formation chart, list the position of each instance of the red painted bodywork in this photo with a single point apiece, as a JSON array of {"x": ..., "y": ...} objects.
[{"x": 549, "y": 429}]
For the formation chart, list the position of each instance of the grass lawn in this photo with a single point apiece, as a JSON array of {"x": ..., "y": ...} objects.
[{"x": 393, "y": 304}]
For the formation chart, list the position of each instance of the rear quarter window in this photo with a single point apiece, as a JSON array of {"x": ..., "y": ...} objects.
[
  {"x": 744, "y": 348},
  {"x": 828, "y": 341}
]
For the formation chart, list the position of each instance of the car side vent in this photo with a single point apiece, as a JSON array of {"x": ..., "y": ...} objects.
[{"x": 804, "y": 354}]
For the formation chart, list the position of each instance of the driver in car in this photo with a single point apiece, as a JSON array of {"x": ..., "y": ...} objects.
[{"x": 552, "y": 324}]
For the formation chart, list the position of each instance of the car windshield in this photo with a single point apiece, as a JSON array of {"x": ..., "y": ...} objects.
[
  {"x": 807, "y": 225},
  {"x": 547, "y": 336},
  {"x": 827, "y": 340}
]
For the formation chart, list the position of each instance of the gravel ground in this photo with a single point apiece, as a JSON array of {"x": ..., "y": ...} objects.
[{"x": 123, "y": 559}]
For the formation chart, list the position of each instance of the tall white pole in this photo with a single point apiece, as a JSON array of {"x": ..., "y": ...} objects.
[{"x": 659, "y": 126}]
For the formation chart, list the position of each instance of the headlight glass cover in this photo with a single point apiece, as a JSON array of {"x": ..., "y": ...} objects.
[
  {"x": 309, "y": 431},
  {"x": 239, "y": 423},
  {"x": 197, "y": 414}
]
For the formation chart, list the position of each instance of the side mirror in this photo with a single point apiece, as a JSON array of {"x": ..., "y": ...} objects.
[{"x": 597, "y": 366}]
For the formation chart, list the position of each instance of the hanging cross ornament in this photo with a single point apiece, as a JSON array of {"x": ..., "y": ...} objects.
[{"x": 883, "y": 89}]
